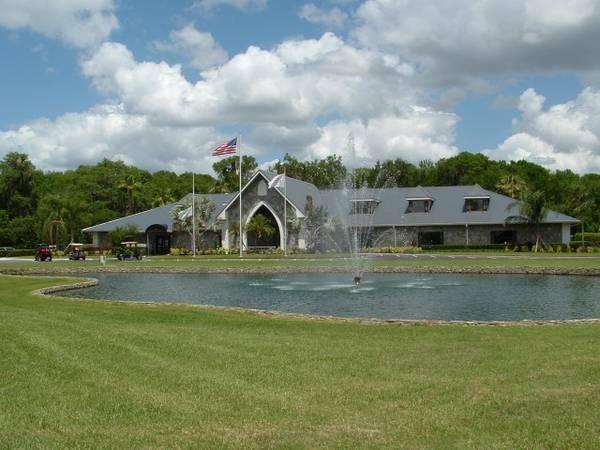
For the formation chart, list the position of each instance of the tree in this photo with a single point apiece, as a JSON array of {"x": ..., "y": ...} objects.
[
  {"x": 162, "y": 196},
  {"x": 325, "y": 173},
  {"x": 17, "y": 184},
  {"x": 317, "y": 225},
  {"x": 130, "y": 184},
  {"x": 234, "y": 231},
  {"x": 227, "y": 174},
  {"x": 261, "y": 226},
  {"x": 532, "y": 211},
  {"x": 511, "y": 185},
  {"x": 121, "y": 234},
  {"x": 184, "y": 219},
  {"x": 74, "y": 214}
]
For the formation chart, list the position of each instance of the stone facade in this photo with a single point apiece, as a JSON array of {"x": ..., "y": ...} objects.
[
  {"x": 259, "y": 199},
  {"x": 256, "y": 195},
  {"x": 400, "y": 236}
]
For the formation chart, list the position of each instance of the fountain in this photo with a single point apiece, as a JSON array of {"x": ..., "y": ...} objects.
[{"x": 351, "y": 210}]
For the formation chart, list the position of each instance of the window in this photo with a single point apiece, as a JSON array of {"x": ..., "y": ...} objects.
[
  {"x": 262, "y": 188},
  {"x": 431, "y": 238},
  {"x": 503, "y": 237},
  {"x": 419, "y": 205},
  {"x": 476, "y": 204},
  {"x": 363, "y": 206}
]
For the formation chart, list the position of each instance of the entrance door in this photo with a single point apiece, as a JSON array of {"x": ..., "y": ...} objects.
[{"x": 162, "y": 245}]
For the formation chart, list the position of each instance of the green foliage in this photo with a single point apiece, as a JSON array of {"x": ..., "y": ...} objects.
[
  {"x": 36, "y": 206},
  {"x": 533, "y": 211},
  {"x": 261, "y": 226},
  {"x": 184, "y": 219},
  {"x": 228, "y": 175},
  {"x": 326, "y": 173},
  {"x": 593, "y": 238},
  {"x": 121, "y": 234}
]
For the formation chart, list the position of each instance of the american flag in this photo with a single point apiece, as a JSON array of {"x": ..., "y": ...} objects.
[{"x": 226, "y": 149}]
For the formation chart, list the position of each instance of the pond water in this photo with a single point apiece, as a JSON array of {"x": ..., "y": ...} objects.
[{"x": 381, "y": 296}]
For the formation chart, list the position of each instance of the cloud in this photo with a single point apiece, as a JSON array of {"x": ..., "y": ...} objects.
[
  {"x": 333, "y": 18},
  {"x": 295, "y": 83},
  {"x": 108, "y": 132},
  {"x": 460, "y": 42},
  {"x": 413, "y": 136},
  {"x": 206, "y": 6},
  {"x": 199, "y": 48},
  {"x": 303, "y": 96},
  {"x": 564, "y": 136},
  {"x": 80, "y": 24}
]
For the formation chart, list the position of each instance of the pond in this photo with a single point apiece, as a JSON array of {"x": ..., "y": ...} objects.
[{"x": 380, "y": 296}]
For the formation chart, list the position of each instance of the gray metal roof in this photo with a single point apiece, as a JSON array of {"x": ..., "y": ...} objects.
[
  {"x": 447, "y": 208},
  {"x": 297, "y": 191},
  {"x": 158, "y": 216}
]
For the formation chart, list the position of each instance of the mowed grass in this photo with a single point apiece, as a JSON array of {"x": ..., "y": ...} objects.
[
  {"x": 425, "y": 262},
  {"x": 115, "y": 375}
]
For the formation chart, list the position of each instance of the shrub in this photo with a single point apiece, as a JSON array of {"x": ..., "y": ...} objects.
[
  {"x": 407, "y": 249},
  {"x": 592, "y": 238},
  {"x": 18, "y": 252}
]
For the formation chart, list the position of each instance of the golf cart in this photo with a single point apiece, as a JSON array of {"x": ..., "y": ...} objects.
[
  {"x": 130, "y": 250},
  {"x": 43, "y": 253},
  {"x": 75, "y": 252}
]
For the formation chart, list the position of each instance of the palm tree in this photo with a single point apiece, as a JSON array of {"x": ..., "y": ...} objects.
[
  {"x": 511, "y": 185},
  {"x": 130, "y": 185},
  {"x": 73, "y": 213},
  {"x": 162, "y": 197},
  {"x": 52, "y": 208},
  {"x": 203, "y": 210},
  {"x": 532, "y": 211},
  {"x": 234, "y": 231},
  {"x": 261, "y": 226}
]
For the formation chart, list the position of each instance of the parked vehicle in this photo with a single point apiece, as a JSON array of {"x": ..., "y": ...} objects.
[
  {"x": 75, "y": 252},
  {"x": 130, "y": 250},
  {"x": 43, "y": 253},
  {"x": 6, "y": 251}
]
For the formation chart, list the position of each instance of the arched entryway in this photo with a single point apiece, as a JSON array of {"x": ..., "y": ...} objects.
[
  {"x": 260, "y": 238},
  {"x": 158, "y": 240}
]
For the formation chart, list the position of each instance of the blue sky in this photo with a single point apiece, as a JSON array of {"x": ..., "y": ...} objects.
[{"x": 158, "y": 84}]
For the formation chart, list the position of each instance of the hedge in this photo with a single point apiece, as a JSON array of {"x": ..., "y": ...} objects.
[
  {"x": 18, "y": 252},
  {"x": 592, "y": 238}
]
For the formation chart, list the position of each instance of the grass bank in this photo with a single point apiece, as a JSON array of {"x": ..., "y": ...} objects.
[
  {"x": 106, "y": 375},
  {"x": 427, "y": 262}
]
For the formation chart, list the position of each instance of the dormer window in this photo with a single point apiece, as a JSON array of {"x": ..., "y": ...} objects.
[
  {"x": 476, "y": 204},
  {"x": 363, "y": 206},
  {"x": 419, "y": 205}
]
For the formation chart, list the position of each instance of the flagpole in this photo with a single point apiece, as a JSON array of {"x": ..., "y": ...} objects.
[
  {"x": 239, "y": 143},
  {"x": 285, "y": 239},
  {"x": 193, "y": 214}
]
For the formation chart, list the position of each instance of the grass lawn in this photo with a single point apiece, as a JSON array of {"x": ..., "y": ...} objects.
[
  {"x": 298, "y": 262},
  {"x": 106, "y": 375}
]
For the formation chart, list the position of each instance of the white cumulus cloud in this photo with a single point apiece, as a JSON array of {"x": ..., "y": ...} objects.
[
  {"x": 77, "y": 23},
  {"x": 199, "y": 48},
  {"x": 333, "y": 18},
  {"x": 108, "y": 132},
  {"x": 413, "y": 136},
  {"x": 460, "y": 42},
  {"x": 563, "y": 136},
  {"x": 209, "y": 5},
  {"x": 297, "y": 82}
]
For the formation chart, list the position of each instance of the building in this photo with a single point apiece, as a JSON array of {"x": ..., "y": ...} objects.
[{"x": 448, "y": 215}]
